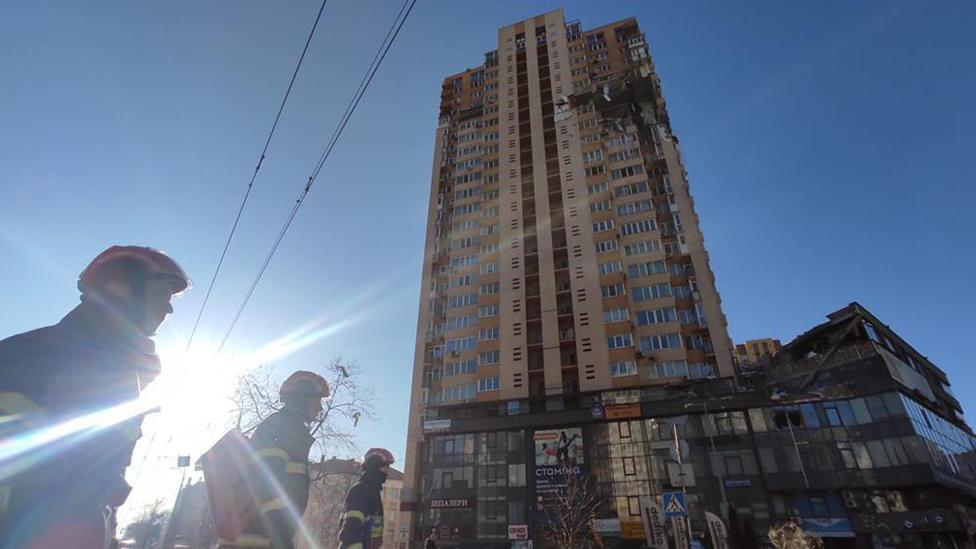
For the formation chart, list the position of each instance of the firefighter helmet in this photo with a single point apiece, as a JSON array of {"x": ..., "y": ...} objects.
[
  {"x": 377, "y": 457},
  {"x": 125, "y": 261},
  {"x": 304, "y": 384}
]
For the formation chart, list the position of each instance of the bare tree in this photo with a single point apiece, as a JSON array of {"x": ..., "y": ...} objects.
[
  {"x": 790, "y": 536},
  {"x": 147, "y": 529},
  {"x": 326, "y": 502},
  {"x": 256, "y": 397},
  {"x": 574, "y": 508}
]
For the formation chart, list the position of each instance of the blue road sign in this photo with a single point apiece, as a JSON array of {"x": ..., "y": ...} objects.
[{"x": 674, "y": 504}]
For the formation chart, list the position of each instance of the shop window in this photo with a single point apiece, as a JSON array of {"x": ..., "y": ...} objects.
[{"x": 784, "y": 418}]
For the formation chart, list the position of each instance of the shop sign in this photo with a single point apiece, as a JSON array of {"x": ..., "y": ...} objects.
[
  {"x": 518, "y": 531},
  {"x": 828, "y": 527},
  {"x": 558, "y": 454},
  {"x": 607, "y": 526},
  {"x": 451, "y": 503},
  {"x": 431, "y": 425},
  {"x": 631, "y": 529},
  {"x": 738, "y": 483},
  {"x": 622, "y": 411}
]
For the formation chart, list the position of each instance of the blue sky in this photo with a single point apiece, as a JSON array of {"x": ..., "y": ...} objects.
[{"x": 829, "y": 145}]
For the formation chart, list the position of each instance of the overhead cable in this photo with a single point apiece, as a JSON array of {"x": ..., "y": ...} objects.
[
  {"x": 384, "y": 48},
  {"x": 257, "y": 168}
]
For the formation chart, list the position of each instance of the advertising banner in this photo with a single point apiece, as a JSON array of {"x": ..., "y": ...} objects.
[
  {"x": 679, "y": 528},
  {"x": 654, "y": 526},
  {"x": 716, "y": 528},
  {"x": 558, "y": 455}
]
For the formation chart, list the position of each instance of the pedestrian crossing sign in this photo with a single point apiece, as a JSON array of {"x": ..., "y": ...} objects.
[{"x": 674, "y": 504}]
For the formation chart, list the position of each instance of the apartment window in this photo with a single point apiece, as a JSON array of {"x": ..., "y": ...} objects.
[
  {"x": 455, "y": 301},
  {"x": 629, "y": 171},
  {"x": 489, "y": 357},
  {"x": 461, "y": 344},
  {"x": 594, "y": 170},
  {"x": 660, "y": 341},
  {"x": 616, "y": 315},
  {"x": 456, "y": 393},
  {"x": 488, "y": 311},
  {"x": 604, "y": 225},
  {"x": 620, "y": 341},
  {"x": 623, "y": 368},
  {"x": 593, "y": 156},
  {"x": 635, "y": 207},
  {"x": 601, "y": 206},
  {"x": 633, "y": 188},
  {"x": 466, "y": 209},
  {"x": 460, "y": 322},
  {"x": 641, "y": 248},
  {"x": 465, "y": 261},
  {"x": 488, "y": 384},
  {"x": 613, "y": 290},
  {"x": 489, "y": 267},
  {"x": 700, "y": 370},
  {"x": 610, "y": 267},
  {"x": 606, "y": 246},
  {"x": 459, "y": 368},
  {"x": 489, "y": 289},
  {"x": 647, "y": 269},
  {"x": 654, "y": 291},
  {"x": 595, "y": 188},
  {"x": 668, "y": 368},
  {"x": 488, "y": 333},
  {"x": 464, "y": 280},
  {"x": 656, "y": 316},
  {"x": 636, "y": 227}
]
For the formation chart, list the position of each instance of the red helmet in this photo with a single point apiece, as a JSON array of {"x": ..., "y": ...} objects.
[
  {"x": 120, "y": 261},
  {"x": 377, "y": 457},
  {"x": 304, "y": 384}
]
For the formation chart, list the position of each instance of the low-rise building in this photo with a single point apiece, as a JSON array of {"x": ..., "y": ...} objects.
[{"x": 848, "y": 431}]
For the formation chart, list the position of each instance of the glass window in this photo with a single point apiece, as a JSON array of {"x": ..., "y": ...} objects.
[
  {"x": 893, "y": 404},
  {"x": 896, "y": 452},
  {"x": 758, "y": 420},
  {"x": 862, "y": 456},
  {"x": 516, "y": 474},
  {"x": 810, "y": 416},
  {"x": 846, "y": 412},
  {"x": 861, "y": 414},
  {"x": 878, "y": 454},
  {"x": 915, "y": 449},
  {"x": 847, "y": 455},
  {"x": 833, "y": 415},
  {"x": 877, "y": 407}
]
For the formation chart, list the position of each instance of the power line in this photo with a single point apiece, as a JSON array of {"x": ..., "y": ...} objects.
[
  {"x": 254, "y": 176},
  {"x": 384, "y": 48}
]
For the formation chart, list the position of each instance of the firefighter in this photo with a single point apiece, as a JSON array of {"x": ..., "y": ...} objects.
[
  {"x": 362, "y": 520},
  {"x": 281, "y": 444},
  {"x": 69, "y": 414}
]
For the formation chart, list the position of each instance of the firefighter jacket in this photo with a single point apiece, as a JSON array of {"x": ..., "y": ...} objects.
[
  {"x": 280, "y": 444},
  {"x": 70, "y": 418},
  {"x": 362, "y": 520}
]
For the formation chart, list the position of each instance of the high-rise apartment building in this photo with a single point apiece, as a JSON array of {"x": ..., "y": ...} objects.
[{"x": 564, "y": 260}]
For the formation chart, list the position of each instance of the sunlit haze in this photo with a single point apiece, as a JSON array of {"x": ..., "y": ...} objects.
[{"x": 829, "y": 147}]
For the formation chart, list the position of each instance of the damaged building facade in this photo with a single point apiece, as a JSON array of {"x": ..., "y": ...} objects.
[
  {"x": 849, "y": 432},
  {"x": 570, "y": 334}
]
